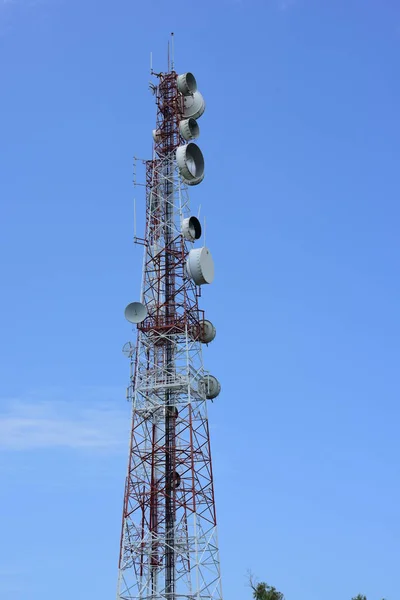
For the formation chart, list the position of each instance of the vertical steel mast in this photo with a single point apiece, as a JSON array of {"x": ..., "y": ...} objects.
[{"x": 169, "y": 543}]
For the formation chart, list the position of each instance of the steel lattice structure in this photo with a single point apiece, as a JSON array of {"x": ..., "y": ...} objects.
[{"x": 169, "y": 543}]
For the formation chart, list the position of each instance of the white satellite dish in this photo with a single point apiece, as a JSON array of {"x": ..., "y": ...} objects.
[
  {"x": 200, "y": 266},
  {"x": 135, "y": 312},
  {"x": 186, "y": 84},
  {"x": 193, "y": 106},
  {"x": 190, "y": 162},
  {"x": 209, "y": 386},
  {"x": 191, "y": 229},
  {"x": 207, "y": 332},
  {"x": 189, "y": 129}
]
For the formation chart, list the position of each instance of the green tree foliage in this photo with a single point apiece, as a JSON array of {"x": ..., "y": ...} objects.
[
  {"x": 262, "y": 591},
  {"x": 361, "y": 597}
]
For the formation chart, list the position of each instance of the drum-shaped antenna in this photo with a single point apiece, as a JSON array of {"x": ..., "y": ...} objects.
[
  {"x": 190, "y": 162},
  {"x": 209, "y": 386},
  {"x": 135, "y": 312},
  {"x": 200, "y": 266},
  {"x": 189, "y": 129},
  {"x": 193, "y": 106},
  {"x": 186, "y": 84},
  {"x": 191, "y": 229},
  {"x": 207, "y": 332}
]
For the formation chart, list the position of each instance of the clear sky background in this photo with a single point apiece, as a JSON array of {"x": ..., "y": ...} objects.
[{"x": 301, "y": 142}]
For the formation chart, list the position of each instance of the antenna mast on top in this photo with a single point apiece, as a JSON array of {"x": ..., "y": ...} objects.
[{"x": 172, "y": 52}]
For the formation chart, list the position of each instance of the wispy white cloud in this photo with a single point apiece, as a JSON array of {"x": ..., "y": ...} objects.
[{"x": 42, "y": 423}]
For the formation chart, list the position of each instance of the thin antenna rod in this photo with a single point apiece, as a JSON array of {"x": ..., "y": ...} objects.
[
  {"x": 168, "y": 56},
  {"x": 134, "y": 219},
  {"x": 172, "y": 52},
  {"x": 151, "y": 63}
]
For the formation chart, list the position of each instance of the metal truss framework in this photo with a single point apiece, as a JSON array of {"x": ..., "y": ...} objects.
[{"x": 169, "y": 543}]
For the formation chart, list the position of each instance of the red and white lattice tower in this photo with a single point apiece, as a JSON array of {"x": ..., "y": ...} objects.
[{"x": 169, "y": 545}]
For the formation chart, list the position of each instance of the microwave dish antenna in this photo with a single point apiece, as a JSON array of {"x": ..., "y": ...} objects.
[
  {"x": 190, "y": 161},
  {"x": 189, "y": 129},
  {"x": 186, "y": 84},
  {"x": 135, "y": 312},
  {"x": 191, "y": 229},
  {"x": 200, "y": 266},
  {"x": 209, "y": 386},
  {"x": 207, "y": 332},
  {"x": 193, "y": 106}
]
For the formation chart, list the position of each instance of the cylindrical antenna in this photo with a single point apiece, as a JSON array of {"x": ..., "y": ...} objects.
[{"x": 151, "y": 63}]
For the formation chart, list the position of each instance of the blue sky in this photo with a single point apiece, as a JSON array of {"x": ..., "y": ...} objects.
[{"x": 301, "y": 142}]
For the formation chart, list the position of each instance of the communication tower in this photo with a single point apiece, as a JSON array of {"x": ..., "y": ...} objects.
[{"x": 169, "y": 546}]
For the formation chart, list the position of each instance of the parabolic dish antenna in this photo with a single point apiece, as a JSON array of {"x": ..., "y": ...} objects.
[
  {"x": 200, "y": 266},
  {"x": 189, "y": 129},
  {"x": 135, "y": 312},
  {"x": 186, "y": 83},
  {"x": 207, "y": 332},
  {"x": 190, "y": 162},
  {"x": 193, "y": 106},
  {"x": 128, "y": 349},
  {"x": 209, "y": 386},
  {"x": 191, "y": 229}
]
